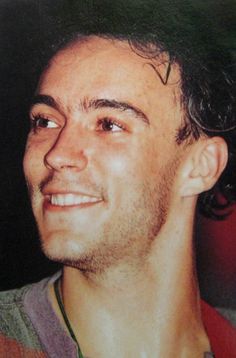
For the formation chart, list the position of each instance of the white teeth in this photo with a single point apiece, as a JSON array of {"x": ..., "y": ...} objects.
[{"x": 71, "y": 199}]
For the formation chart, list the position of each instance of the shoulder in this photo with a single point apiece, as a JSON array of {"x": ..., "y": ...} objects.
[
  {"x": 221, "y": 333},
  {"x": 14, "y": 322},
  {"x": 11, "y": 308},
  {"x": 18, "y": 335},
  {"x": 11, "y": 298}
]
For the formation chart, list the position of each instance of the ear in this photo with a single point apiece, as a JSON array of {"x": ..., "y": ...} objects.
[{"x": 204, "y": 164}]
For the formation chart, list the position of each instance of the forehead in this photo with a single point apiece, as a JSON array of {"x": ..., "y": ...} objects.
[
  {"x": 105, "y": 68},
  {"x": 99, "y": 52}
]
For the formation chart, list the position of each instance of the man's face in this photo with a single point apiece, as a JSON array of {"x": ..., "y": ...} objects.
[{"x": 101, "y": 156}]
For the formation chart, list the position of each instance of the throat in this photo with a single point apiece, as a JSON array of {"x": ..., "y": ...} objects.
[
  {"x": 150, "y": 310},
  {"x": 138, "y": 319}
]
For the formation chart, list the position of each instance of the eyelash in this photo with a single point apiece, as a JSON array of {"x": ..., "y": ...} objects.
[
  {"x": 34, "y": 122},
  {"x": 100, "y": 122},
  {"x": 35, "y": 118},
  {"x": 110, "y": 121}
]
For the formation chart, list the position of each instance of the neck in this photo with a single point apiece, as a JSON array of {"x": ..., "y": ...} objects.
[{"x": 135, "y": 310}]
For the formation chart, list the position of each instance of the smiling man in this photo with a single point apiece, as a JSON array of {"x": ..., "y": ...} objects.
[
  {"x": 124, "y": 138},
  {"x": 98, "y": 198}
]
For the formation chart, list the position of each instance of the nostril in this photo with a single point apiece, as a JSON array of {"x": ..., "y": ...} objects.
[{"x": 61, "y": 158}]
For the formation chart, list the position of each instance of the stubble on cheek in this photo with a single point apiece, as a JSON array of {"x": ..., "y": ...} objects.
[{"x": 160, "y": 196}]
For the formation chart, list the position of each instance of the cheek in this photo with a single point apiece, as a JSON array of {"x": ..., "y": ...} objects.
[
  {"x": 116, "y": 159},
  {"x": 33, "y": 162},
  {"x": 128, "y": 162},
  {"x": 27, "y": 161},
  {"x": 117, "y": 164}
]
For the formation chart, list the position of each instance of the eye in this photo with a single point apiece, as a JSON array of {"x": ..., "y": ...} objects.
[
  {"x": 43, "y": 122},
  {"x": 109, "y": 125}
]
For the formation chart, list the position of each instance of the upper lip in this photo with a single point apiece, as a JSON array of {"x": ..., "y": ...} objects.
[{"x": 60, "y": 192}]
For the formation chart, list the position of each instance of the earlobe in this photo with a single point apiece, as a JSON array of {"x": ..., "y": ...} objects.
[{"x": 204, "y": 165}]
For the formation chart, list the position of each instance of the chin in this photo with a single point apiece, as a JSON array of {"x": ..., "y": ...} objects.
[
  {"x": 61, "y": 245},
  {"x": 85, "y": 254},
  {"x": 74, "y": 251}
]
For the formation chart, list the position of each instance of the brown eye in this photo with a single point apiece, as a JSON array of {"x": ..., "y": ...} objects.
[
  {"x": 108, "y": 125},
  {"x": 41, "y": 122}
]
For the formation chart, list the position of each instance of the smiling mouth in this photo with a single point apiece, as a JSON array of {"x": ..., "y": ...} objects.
[{"x": 71, "y": 200}]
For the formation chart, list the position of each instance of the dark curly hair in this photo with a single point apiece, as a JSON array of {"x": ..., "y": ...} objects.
[{"x": 198, "y": 36}]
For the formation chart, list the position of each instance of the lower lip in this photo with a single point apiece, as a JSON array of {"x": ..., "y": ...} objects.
[{"x": 51, "y": 207}]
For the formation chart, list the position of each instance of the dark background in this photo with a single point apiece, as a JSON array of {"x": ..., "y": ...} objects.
[
  {"x": 24, "y": 26},
  {"x": 24, "y": 29}
]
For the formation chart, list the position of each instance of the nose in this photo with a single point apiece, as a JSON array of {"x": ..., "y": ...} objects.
[{"x": 67, "y": 152}]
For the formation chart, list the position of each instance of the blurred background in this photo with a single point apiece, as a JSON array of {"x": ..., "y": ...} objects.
[{"x": 24, "y": 27}]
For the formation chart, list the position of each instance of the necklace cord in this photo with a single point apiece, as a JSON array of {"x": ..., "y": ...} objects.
[
  {"x": 68, "y": 325},
  {"x": 64, "y": 315}
]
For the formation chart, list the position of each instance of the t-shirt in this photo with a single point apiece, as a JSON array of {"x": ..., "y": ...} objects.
[{"x": 29, "y": 326}]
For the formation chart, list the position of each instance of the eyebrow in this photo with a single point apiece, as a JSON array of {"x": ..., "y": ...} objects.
[
  {"x": 89, "y": 104},
  {"x": 44, "y": 99}
]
